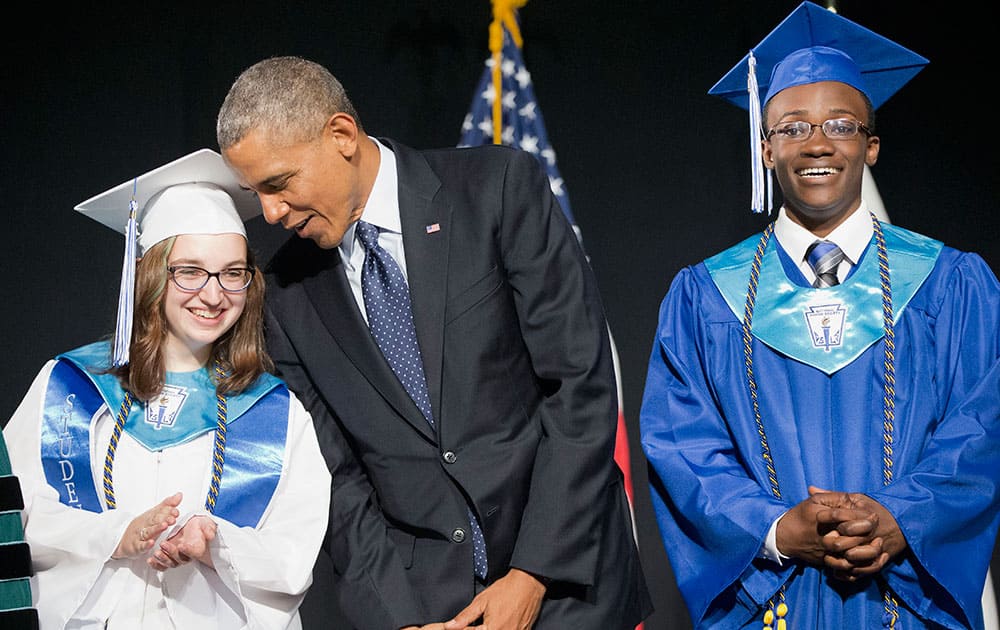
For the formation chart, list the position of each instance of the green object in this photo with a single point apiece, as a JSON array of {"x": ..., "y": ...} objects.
[{"x": 15, "y": 593}]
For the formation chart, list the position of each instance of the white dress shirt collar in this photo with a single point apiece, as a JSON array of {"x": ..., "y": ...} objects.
[
  {"x": 382, "y": 207},
  {"x": 852, "y": 237}
]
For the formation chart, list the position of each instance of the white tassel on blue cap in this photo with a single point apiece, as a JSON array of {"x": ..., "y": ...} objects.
[
  {"x": 126, "y": 292},
  {"x": 757, "y": 170}
]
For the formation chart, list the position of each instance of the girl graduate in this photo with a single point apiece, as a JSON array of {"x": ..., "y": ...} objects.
[{"x": 169, "y": 481}]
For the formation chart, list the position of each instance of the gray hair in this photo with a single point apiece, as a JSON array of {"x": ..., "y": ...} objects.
[{"x": 289, "y": 98}]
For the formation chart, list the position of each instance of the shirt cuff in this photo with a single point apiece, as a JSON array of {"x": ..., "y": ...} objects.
[{"x": 769, "y": 550}]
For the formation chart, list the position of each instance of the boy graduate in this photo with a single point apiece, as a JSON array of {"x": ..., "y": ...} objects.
[{"x": 821, "y": 407}]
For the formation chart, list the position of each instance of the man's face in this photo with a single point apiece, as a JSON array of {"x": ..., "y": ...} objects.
[
  {"x": 820, "y": 178},
  {"x": 311, "y": 187}
]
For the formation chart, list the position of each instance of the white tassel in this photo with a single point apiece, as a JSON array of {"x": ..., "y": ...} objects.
[
  {"x": 756, "y": 150},
  {"x": 126, "y": 292}
]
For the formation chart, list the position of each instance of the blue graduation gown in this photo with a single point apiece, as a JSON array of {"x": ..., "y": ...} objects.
[{"x": 823, "y": 423}]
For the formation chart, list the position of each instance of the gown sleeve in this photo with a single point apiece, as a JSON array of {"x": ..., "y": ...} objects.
[
  {"x": 78, "y": 541},
  {"x": 715, "y": 516},
  {"x": 947, "y": 504}
]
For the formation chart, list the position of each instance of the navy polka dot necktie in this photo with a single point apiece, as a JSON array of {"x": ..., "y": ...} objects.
[
  {"x": 390, "y": 318},
  {"x": 824, "y": 257}
]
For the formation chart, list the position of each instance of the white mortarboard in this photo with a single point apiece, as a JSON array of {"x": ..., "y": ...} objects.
[
  {"x": 810, "y": 45},
  {"x": 194, "y": 194},
  {"x": 163, "y": 211}
]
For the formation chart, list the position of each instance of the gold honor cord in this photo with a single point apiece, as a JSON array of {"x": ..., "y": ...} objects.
[
  {"x": 889, "y": 392},
  {"x": 109, "y": 459},
  {"x": 780, "y": 611},
  {"x": 218, "y": 453}
]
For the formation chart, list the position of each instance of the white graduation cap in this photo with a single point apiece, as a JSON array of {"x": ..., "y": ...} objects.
[{"x": 194, "y": 194}]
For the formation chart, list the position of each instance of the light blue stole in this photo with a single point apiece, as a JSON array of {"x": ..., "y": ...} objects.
[
  {"x": 826, "y": 328},
  {"x": 256, "y": 431}
]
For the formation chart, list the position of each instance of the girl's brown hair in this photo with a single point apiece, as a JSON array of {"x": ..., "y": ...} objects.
[{"x": 240, "y": 352}]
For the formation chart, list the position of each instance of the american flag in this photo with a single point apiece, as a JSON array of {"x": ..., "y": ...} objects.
[{"x": 522, "y": 126}]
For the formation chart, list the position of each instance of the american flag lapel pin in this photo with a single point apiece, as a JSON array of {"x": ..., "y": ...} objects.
[{"x": 432, "y": 228}]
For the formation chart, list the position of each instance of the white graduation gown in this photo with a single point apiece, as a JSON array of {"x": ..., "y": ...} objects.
[{"x": 260, "y": 575}]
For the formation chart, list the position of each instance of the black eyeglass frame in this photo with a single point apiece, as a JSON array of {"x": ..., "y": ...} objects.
[
  {"x": 172, "y": 269},
  {"x": 812, "y": 126}
]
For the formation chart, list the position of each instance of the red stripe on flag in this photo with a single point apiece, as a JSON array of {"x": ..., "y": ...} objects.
[{"x": 622, "y": 457}]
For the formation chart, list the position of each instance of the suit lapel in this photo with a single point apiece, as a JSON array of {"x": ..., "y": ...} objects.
[
  {"x": 331, "y": 294},
  {"x": 425, "y": 220}
]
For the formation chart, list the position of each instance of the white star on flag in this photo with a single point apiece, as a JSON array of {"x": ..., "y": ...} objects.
[
  {"x": 523, "y": 77},
  {"x": 530, "y": 144}
]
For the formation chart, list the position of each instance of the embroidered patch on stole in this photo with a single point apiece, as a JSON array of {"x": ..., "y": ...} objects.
[
  {"x": 162, "y": 411},
  {"x": 826, "y": 325}
]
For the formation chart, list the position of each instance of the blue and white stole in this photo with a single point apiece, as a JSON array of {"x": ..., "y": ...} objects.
[
  {"x": 79, "y": 392},
  {"x": 831, "y": 327}
]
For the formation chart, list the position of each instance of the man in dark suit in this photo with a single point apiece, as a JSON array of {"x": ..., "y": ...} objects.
[{"x": 477, "y": 483}]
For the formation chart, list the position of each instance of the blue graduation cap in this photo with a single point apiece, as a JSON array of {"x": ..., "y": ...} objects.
[{"x": 814, "y": 44}]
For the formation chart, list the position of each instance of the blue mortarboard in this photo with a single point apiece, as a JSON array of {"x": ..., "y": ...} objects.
[{"x": 814, "y": 44}]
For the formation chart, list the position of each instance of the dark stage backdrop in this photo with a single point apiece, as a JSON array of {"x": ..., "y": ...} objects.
[{"x": 657, "y": 171}]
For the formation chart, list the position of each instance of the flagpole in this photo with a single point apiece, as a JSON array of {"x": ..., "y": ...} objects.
[{"x": 503, "y": 16}]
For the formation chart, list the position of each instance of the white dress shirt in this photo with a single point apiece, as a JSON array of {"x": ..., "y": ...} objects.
[{"x": 382, "y": 211}]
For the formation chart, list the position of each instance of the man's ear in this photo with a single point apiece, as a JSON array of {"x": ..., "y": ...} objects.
[
  {"x": 871, "y": 151},
  {"x": 342, "y": 129}
]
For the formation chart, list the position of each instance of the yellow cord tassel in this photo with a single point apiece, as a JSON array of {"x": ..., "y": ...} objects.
[
  {"x": 503, "y": 15},
  {"x": 769, "y": 617}
]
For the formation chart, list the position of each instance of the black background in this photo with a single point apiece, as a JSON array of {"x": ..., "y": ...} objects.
[{"x": 657, "y": 171}]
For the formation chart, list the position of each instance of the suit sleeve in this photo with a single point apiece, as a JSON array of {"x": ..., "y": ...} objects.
[
  {"x": 563, "y": 327},
  {"x": 373, "y": 588}
]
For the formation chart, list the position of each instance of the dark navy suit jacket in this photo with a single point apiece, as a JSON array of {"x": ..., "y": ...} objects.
[{"x": 520, "y": 371}]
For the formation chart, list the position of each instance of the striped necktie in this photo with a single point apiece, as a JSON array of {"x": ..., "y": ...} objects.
[{"x": 824, "y": 257}]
